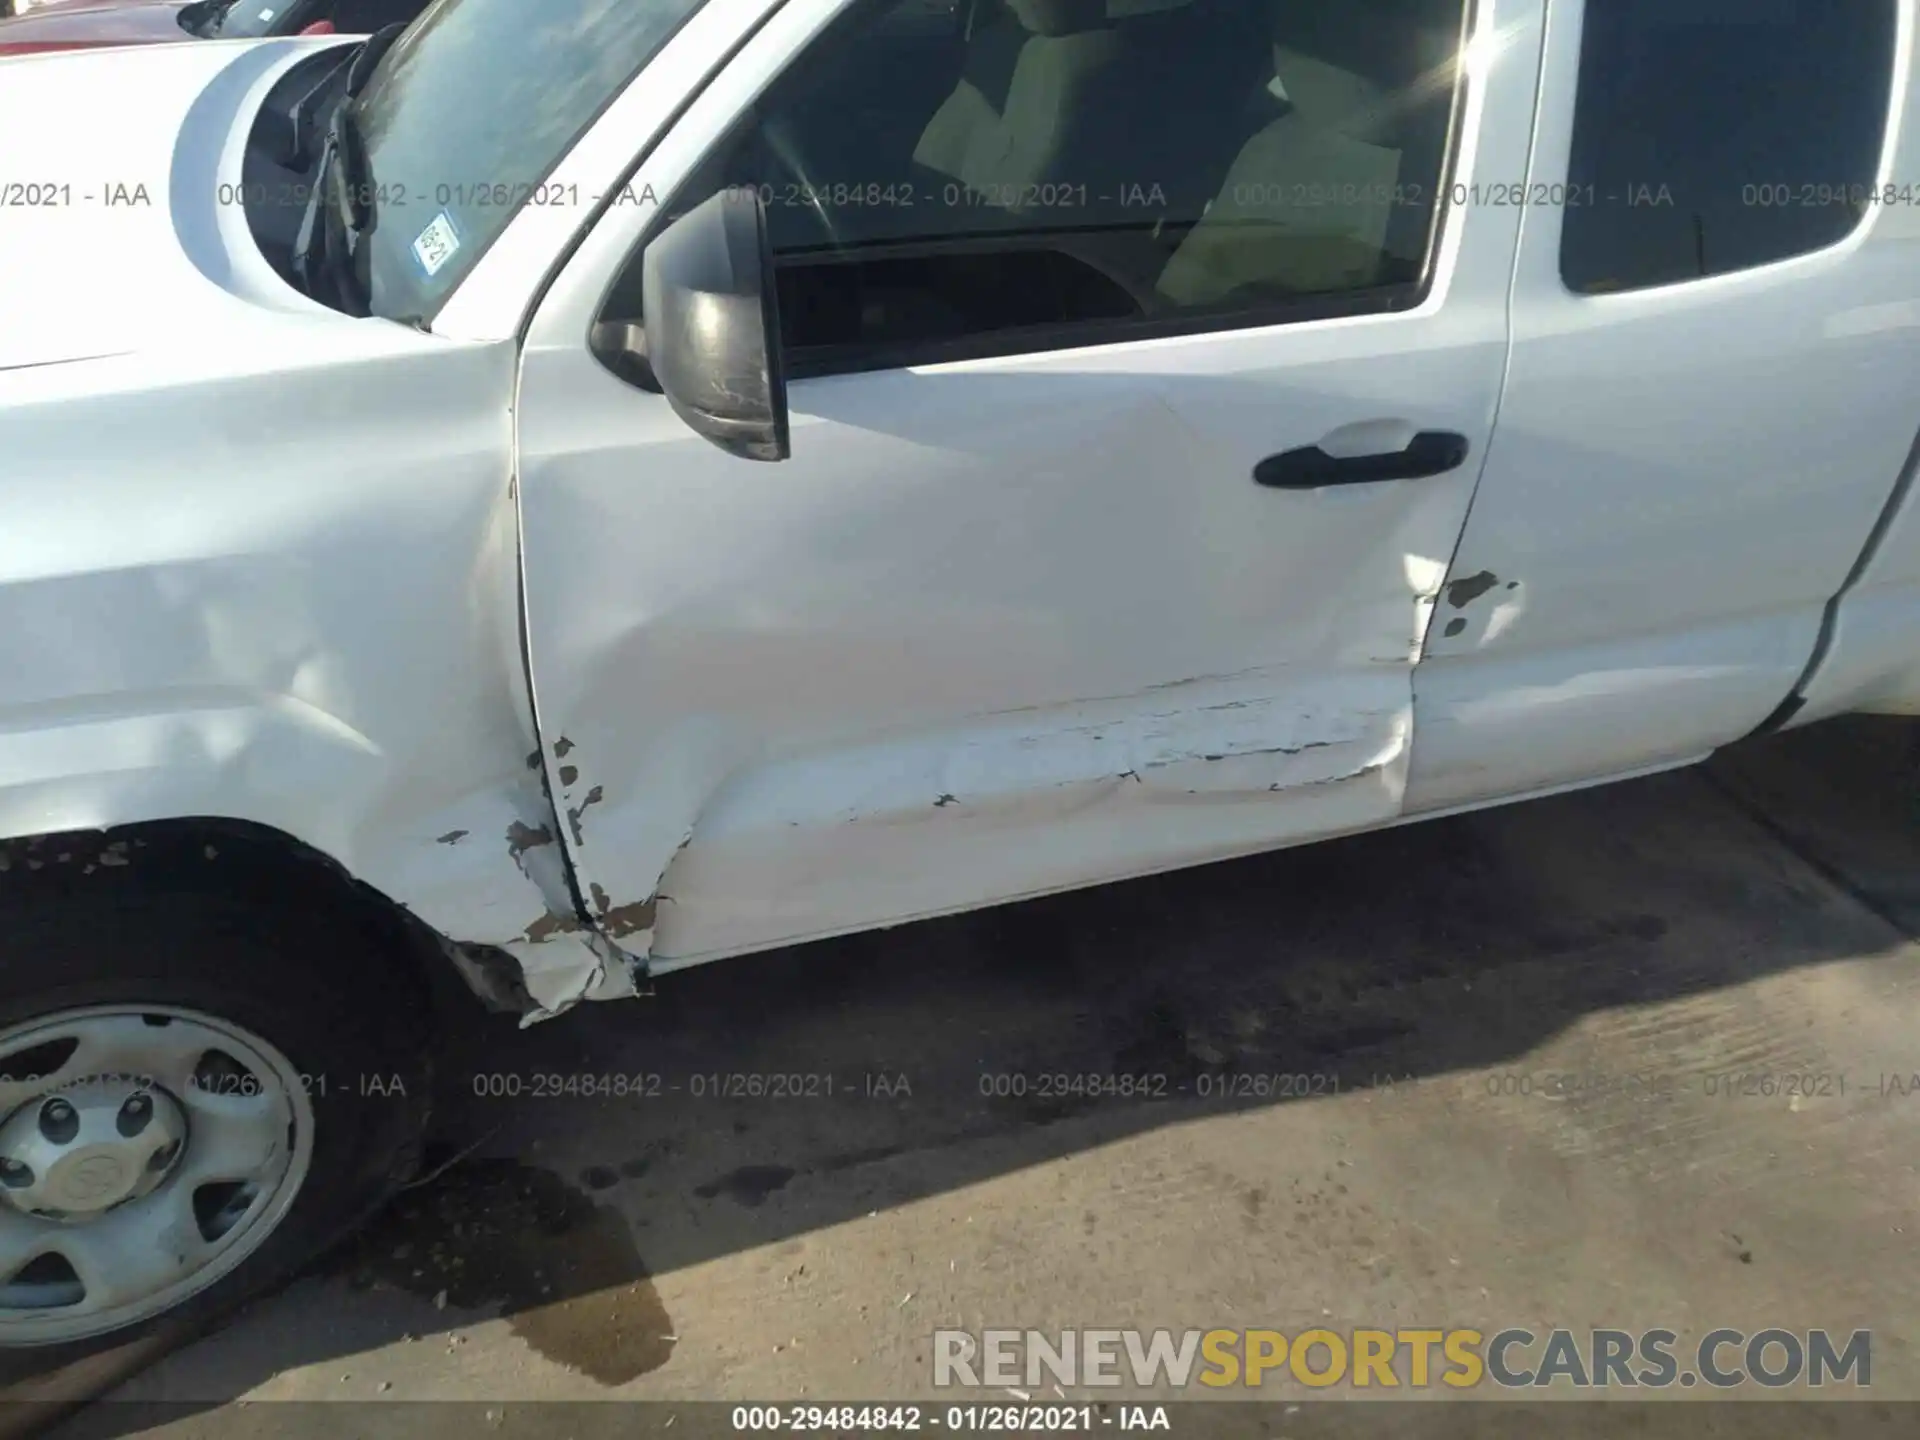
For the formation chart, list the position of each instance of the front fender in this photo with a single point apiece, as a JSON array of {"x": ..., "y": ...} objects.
[{"x": 288, "y": 594}]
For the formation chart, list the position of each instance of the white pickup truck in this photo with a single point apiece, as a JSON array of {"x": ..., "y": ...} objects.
[{"x": 572, "y": 491}]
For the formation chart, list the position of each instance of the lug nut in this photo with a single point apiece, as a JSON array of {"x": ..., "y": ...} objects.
[
  {"x": 14, "y": 1175},
  {"x": 134, "y": 1114},
  {"x": 59, "y": 1122}
]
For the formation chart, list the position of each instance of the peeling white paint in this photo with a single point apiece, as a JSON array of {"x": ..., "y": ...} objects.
[
  {"x": 561, "y": 972},
  {"x": 1009, "y": 830},
  {"x": 861, "y": 678},
  {"x": 997, "y": 628}
]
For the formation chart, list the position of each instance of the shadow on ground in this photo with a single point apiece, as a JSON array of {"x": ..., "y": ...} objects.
[{"x": 751, "y": 1102}]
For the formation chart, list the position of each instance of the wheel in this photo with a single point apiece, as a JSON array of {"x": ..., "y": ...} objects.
[{"x": 197, "y": 1094}]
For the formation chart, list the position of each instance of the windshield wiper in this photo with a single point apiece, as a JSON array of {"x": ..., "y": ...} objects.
[
  {"x": 340, "y": 209},
  {"x": 349, "y": 147},
  {"x": 304, "y": 115},
  {"x": 205, "y": 17},
  {"x": 368, "y": 55}
]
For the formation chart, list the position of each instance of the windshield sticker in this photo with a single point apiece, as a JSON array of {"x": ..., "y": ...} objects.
[{"x": 435, "y": 245}]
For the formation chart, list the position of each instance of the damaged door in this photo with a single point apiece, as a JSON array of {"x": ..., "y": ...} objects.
[
  {"x": 1711, "y": 399},
  {"x": 1124, "y": 466}
]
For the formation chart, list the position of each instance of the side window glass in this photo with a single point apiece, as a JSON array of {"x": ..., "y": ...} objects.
[
  {"x": 1716, "y": 135},
  {"x": 978, "y": 176}
]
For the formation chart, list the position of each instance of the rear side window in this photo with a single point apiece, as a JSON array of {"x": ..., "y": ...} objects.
[{"x": 1715, "y": 135}]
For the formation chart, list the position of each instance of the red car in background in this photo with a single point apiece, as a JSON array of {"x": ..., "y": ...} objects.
[{"x": 83, "y": 24}]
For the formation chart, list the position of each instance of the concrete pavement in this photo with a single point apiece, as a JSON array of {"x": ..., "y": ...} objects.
[{"x": 1500, "y": 1047}]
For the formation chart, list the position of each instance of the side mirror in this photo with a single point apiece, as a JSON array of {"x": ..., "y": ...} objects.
[{"x": 713, "y": 326}]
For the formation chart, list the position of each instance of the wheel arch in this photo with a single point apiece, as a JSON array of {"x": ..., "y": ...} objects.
[{"x": 275, "y": 870}]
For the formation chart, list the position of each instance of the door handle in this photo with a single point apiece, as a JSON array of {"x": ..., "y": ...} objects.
[{"x": 1431, "y": 452}]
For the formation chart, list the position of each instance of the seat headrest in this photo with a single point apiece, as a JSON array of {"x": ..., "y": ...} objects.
[
  {"x": 1131, "y": 9},
  {"x": 1065, "y": 17},
  {"x": 1326, "y": 96},
  {"x": 1339, "y": 66},
  {"x": 1388, "y": 41},
  {"x": 1058, "y": 17},
  {"x": 1338, "y": 32}
]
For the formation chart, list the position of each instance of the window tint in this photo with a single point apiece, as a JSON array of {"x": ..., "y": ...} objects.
[
  {"x": 1714, "y": 135},
  {"x": 998, "y": 175}
]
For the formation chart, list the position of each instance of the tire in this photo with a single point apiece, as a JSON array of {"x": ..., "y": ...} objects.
[{"x": 315, "y": 995}]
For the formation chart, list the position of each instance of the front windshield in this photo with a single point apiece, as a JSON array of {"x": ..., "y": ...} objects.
[{"x": 469, "y": 111}]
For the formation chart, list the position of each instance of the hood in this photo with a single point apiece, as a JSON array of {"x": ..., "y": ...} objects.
[
  {"x": 83, "y": 24},
  {"x": 123, "y": 234}
]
